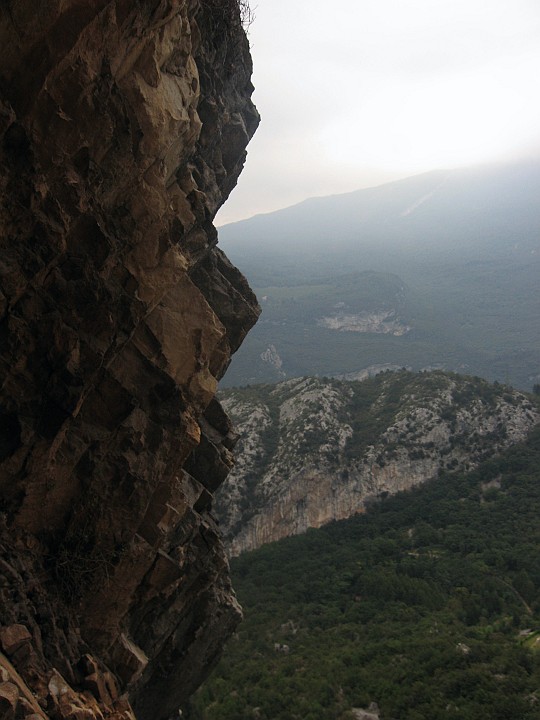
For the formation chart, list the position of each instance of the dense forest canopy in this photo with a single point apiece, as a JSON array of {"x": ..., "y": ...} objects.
[{"x": 428, "y": 605}]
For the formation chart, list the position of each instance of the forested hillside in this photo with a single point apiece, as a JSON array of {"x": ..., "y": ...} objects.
[{"x": 428, "y": 605}]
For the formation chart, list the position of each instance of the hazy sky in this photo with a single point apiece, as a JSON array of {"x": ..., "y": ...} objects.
[{"x": 354, "y": 93}]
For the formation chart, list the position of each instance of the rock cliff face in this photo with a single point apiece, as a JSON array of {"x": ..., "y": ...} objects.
[
  {"x": 382, "y": 322},
  {"x": 123, "y": 128},
  {"x": 314, "y": 450}
]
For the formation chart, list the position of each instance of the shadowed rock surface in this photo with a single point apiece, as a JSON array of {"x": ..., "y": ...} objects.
[{"x": 123, "y": 128}]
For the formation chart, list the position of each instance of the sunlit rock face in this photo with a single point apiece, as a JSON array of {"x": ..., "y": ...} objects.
[{"x": 123, "y": 128}]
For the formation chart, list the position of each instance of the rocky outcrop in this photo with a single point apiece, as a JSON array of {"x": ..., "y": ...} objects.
[
  {"x": 123, "y": 128},
  {"x": 382, "y": 322},
  {"x": 315, "y": 450}
]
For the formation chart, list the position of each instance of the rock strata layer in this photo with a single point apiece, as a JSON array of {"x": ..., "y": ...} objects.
[
  {"x": 315, "y": 450},
  {"x": 123, "y": 128}
]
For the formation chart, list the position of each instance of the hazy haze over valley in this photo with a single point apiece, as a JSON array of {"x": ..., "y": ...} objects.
[
  {"x": 398, "y": 139},
  {"x": 437, "y": 270}
]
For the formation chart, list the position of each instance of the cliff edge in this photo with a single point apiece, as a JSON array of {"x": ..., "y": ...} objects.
[{"x": 123, "y": 128}]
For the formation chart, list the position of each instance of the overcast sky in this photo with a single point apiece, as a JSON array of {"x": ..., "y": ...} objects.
[{"x": 354, "y": 93}]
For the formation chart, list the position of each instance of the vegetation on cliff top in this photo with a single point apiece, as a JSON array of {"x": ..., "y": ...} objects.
[
  {"x": 429, "y": 605},
  {"x": 361, "y": 438},
  {"x": 231, "y": 14}
]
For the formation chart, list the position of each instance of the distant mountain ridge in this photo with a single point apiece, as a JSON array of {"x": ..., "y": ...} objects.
[
  {"x": 429, "y": 209},
  {"x": 463, "y": 244},
  {"x": 313, "y": 450}
]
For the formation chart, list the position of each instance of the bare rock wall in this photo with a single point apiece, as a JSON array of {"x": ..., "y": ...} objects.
[{"x": 123, "y": 128}]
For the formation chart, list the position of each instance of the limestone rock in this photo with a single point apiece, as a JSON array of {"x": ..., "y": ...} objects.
[
  {"x": 123, "y": 128},
  {"x": 372, "y": 713},
  {"x": 315, "y": 450}
]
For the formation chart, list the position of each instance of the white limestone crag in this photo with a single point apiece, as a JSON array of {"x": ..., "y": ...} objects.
[{"x": 315, "y": 450}]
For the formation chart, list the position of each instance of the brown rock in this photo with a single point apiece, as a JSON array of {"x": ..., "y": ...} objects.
[
  {"x": 97, "y": 686},
  {"x": 13, "y": 637},
  {"x": 9, "y": 698},
  {"x": 69, "y": 704},
  {"x": 69, "y": 711},
  {"x": 130, "y": 661},
  {"x": 122, "y": 130},
  {"x": 111, "y": 686}
]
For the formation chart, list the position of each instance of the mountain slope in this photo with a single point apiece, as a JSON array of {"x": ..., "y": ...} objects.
[
  {"x": 428, "y": 605},
  {"x": 464, "y": 244},
  {"x": 314, "y": 450},
  {"x": 447, "y": 211}
]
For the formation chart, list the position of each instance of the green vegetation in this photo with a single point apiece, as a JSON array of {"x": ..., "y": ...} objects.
[
  {"x": 429, "y": 605},
  {"x": 370, "y": 406},
  {"x": 472, "y": 317}
]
